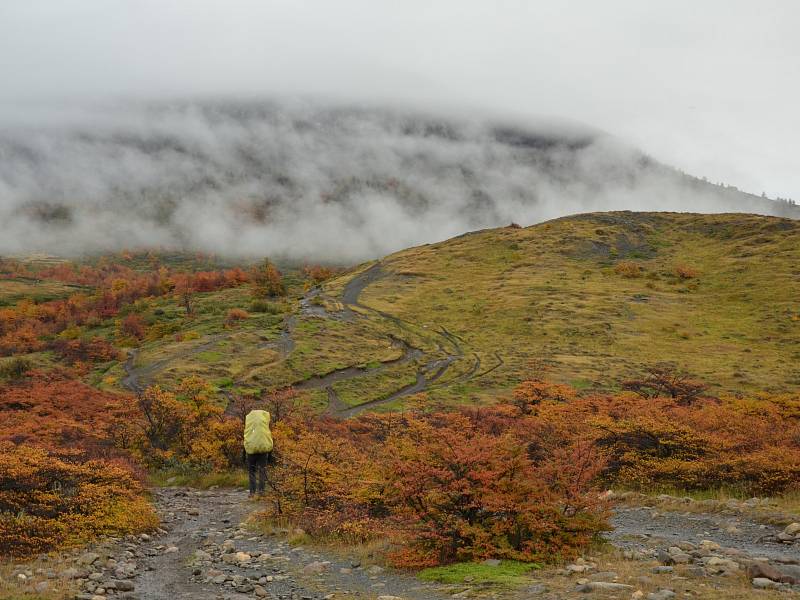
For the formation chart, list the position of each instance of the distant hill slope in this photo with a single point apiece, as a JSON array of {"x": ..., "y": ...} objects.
[
  {"x": 312, "y": 182},
  {"x": 600, "y": 296}
]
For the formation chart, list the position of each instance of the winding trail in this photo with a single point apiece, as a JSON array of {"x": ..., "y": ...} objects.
[
  {"x": 138, "y": 378},
  {"x": 450, "y": 345},
  {"x": 429, "y": 373}
]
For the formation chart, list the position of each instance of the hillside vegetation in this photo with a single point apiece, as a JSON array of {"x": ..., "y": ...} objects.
[{"x": 599, "y": 297}]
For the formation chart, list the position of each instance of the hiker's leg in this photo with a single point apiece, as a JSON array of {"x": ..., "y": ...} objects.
[
  {"x": 251, "y": 471},
  {"x": 262, "y": 472}
]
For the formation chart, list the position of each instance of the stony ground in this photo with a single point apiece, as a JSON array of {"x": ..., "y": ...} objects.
[{"x": 206, "y": 551}]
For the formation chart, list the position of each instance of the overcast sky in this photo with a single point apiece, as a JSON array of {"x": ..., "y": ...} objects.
[{"x": 711, "y": 86}]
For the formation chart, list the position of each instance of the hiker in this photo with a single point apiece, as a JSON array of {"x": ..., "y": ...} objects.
[{"x": 258, "y": 446}]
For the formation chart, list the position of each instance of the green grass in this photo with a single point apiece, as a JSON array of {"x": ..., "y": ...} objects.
[
  {"x": 556, "y": 297},
  {"x": 507, "y": 573},
  {"x": 236, "y": 478},
  {"x": 14, "y": 290}
]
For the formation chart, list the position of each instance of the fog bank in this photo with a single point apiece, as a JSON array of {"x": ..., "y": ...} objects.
[{"x": 304, "y": 181}]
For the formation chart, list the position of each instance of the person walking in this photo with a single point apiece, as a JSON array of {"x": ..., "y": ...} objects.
[{"x": 258, "y": 447}]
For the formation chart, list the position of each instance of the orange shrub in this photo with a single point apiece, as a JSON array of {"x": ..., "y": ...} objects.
[
  {"x": 235, "y": 315},
  {"x": 52, "y": 410},
  {"x": 685, "y": 272},
  {"x": 51, "y": 500},
  {"x": 444, "y": 486},
  {"x": 628, "y": 269}
]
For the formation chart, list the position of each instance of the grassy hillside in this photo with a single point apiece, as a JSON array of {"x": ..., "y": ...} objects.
[
  {"x": 597, "y": 298},
  {"x": 600, "y": 296}
]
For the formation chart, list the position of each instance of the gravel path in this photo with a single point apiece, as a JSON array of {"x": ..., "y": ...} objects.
[
  {"x": 641, "y": 527},
  {"x": 206, "y": 553}
]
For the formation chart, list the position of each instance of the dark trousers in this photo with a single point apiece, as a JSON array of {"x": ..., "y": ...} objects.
[{"x": 257, "y": 463}]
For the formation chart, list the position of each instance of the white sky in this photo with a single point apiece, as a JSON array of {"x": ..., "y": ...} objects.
[{"x": 709, "y": 86}]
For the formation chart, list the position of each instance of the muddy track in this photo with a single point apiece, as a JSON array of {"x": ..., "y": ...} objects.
[
  {"x": 137, "y": 379},
  {"x": 448, "y": 343},
  {"x": 323, "y": 381}
]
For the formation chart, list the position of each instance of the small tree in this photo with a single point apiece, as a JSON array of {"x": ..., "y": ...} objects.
[
  {"x": 268, "y": 281},
  {"x": 667, "y": 380}
]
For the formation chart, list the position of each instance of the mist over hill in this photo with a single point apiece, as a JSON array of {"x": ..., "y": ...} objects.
[{"x": 304, "y": 181}]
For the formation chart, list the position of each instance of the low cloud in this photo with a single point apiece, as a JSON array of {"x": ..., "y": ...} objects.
[{"x": 304, "y": 181}]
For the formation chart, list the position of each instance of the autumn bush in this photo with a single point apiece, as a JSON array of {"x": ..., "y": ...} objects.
[
  {"x": 186, "y": 429},
  {"x": 53, "y": 410},
  {"x": 235, "y": 315},
  {"x": 110, "y": 287},
  {"x": 54, "y": 499},
  {"x": 653, "y": 443},
  {"x": 628, "y": 269},
  {"x": 443, "y": 486},
  {"x": 683, "y": 271}
]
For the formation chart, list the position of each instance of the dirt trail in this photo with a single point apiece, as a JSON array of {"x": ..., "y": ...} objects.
[
  {"x": 138, "y": 378},
  {"x": 208, "y": 554},
  {"x": 430, "y": 372}
]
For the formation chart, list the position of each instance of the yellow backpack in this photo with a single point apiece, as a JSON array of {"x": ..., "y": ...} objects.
[{"x": 257, "y": 436}]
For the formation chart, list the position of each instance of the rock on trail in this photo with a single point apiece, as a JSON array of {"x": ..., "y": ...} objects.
[{"x": 205, "y": 552}]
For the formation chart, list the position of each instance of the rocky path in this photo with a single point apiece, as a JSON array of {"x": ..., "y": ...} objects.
[{"x": 205, "y": 552}]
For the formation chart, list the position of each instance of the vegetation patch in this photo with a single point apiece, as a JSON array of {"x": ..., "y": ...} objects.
[{"x": 506, "y": 573}]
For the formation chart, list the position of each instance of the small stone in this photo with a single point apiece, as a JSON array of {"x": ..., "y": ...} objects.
[
  {"x": 709, "y": 545},
  {"x": 88, "y": 558},
  {"x": 260, "y": 591},
  {"x": 171, "y": 550},
  {"x": 70, "y": 573},
  {"x": 201, "y": 555},
  {"x": 219, "y": 579},
  {"x": 661, "y": 595},
  {"x": 124, "y": 585},
  {"x": 604, "y": 586},
  {"x": 315, "y": 568},
  {"x": 765, "y": 584},
  {"x": 681, "y": 558},
  {"x": 792, "y": 529},
  {"x": 662, "y": 570}
]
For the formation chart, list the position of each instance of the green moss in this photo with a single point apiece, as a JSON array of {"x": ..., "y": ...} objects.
[{"x": 507, "y": 573}]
